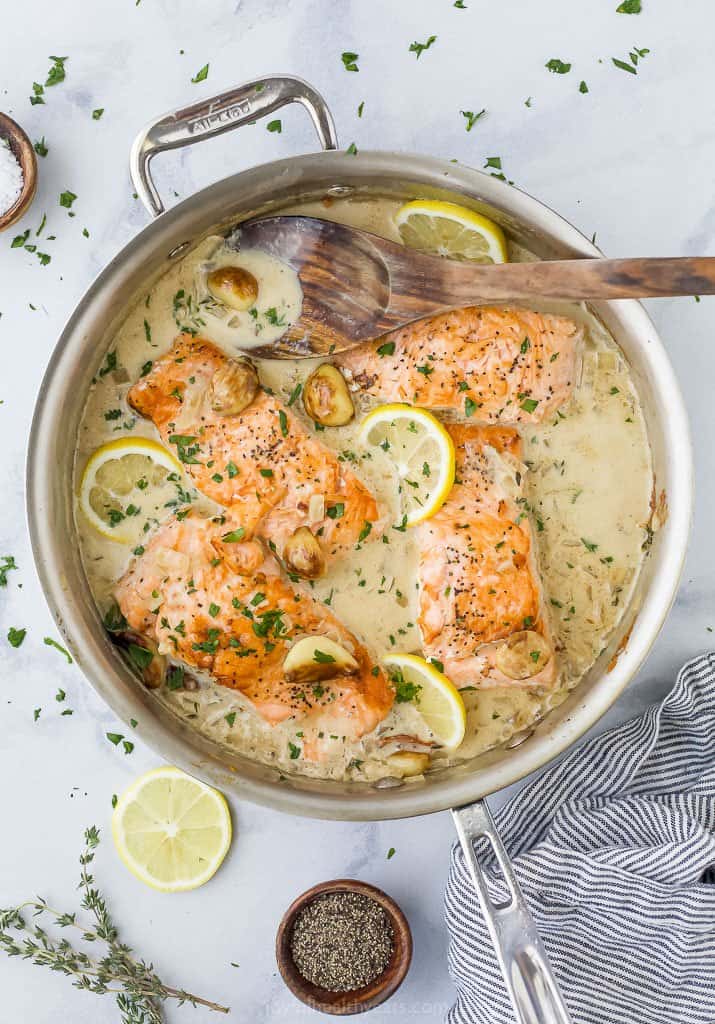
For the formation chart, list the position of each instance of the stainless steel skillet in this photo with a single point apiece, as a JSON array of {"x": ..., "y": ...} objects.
[{"x": 81, "y": 349}]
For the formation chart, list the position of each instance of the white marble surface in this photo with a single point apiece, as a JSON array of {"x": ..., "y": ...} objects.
[{"x": 631, "y": 160}]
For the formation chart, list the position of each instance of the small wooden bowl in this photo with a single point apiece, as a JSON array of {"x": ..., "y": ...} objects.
[
  {"x": 25, "y": 154},
  {"x": 361, "y": 999}
]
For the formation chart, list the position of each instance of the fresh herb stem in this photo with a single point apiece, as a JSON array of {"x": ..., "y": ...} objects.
[{"x": 138, "y": 989}]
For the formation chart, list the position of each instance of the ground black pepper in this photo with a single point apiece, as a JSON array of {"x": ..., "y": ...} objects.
[{"x": 342, "y": 941}]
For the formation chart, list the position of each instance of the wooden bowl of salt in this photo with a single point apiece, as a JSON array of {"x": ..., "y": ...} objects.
[{"x": 18, "y": 172}]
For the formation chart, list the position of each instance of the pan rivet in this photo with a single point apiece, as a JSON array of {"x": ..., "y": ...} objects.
[
  {"x": 341, "y": 190},
  {"x": 179, "y": 250}
]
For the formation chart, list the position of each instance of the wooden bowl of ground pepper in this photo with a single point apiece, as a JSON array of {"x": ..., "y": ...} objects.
[{"x": 343, "y": 947}]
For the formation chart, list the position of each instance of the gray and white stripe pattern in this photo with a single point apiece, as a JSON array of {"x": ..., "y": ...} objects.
[{"x": 614, "y": 848}]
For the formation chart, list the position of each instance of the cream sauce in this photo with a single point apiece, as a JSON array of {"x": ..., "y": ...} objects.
[{"x": 590, "y": 511}]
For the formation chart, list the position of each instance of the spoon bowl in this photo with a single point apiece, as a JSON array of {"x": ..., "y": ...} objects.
[{"x": 24, "y": 153}]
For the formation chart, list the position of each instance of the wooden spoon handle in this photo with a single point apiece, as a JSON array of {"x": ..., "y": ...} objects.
[{"x": 420, "y": 285}]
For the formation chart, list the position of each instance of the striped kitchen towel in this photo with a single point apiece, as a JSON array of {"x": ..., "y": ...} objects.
[{"x": 614, "y": 848}]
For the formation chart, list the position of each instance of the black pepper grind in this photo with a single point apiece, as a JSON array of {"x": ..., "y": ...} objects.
[{"x": 342, "y": 941}]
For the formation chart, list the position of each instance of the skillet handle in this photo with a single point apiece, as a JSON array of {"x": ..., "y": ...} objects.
[
  {"x": 529, "y": 978},
  {"x": 218, "y": 114}
]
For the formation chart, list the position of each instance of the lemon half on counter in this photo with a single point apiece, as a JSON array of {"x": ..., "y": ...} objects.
[
  {"x": 450, "y": 230},
  {"x": 422, "y": 452},
  {"x": 171, "y": 831},
  {"x": 124, "y": 483},
  {"x": 437, "y": 698}
]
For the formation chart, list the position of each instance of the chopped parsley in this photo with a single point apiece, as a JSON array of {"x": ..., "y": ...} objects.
[
  {"x": 49, "y": 642},
  {"x": 275, "y": 126},
  {"x": 8, "y": 563},
  {"x": 16, "y": 636},
  {"x": 557, "y": 67},
  {"x": 388, "y": 349},
  {"x": 322, "y": 658},
  {"x": 471, "y": 118},
  {"x": 365, "y": 532},
  {"x": 350, "y": 61},
  {"x": 419, "y": 48},
  {"x": 201, "y": 75},
  {"x": 234, "y": 536}
]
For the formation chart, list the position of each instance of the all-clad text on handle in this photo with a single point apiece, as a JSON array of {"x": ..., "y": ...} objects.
[{"x": 207, "y": 118}]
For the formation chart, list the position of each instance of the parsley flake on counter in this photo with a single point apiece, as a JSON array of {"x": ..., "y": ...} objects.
[
  {"x": 56, "y": 74},
  {"x": 41, "y": 147},
  {"x": 16, "y": 636},
  {"x": 114, "y": 737},
  {"x": 36, "y": 713},
  {"x": 624, "y": 66},
  {"x": 352, "y": 149},
  {"x": 8, "y": 563},
  {"x": 67, "y": 198},
  {"x": 37, "y": 97},
  {"x": 350, "y": 61},
  {"x": 419, "y": 48},
  {"x": 201, "y": 75},
  {"x": 391, "y": 851},
  {"x": 49, "y": 642},
  {"x": 471, "y": 118},
  {"x": 557, "y": 67},
  {"x": 361, "y": 107},
  {"x": 275, "y": 126},
  {"x": 629, "y": 7},
  {"x": 96, "y": 114}
]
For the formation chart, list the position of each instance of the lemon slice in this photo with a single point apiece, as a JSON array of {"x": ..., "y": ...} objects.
[
  {"x": 422, "y": 452},
  {"x": 450, "y": 230},
  {"x": 125, "y": 484},
  {"x": 171, "y": 830},
  {"x": 438, "y": 700}
]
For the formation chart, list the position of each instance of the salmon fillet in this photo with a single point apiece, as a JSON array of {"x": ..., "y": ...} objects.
[
  {"x": 491, "y": 365},
  {"x": 225, "y": 609},
  {"x": 479, "y": 587},
  {"x": 261, "y": 464}
]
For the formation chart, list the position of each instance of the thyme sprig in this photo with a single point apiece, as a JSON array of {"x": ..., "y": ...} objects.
[{"x": 139, "y": 990}]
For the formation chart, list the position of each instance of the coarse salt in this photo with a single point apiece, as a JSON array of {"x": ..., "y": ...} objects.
[{"x": 11, "y": 177}]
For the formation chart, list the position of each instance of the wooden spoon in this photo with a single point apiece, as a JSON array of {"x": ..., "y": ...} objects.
[
  {"x": 356, "y": 285},
  {"x": 25, "y": 155}
]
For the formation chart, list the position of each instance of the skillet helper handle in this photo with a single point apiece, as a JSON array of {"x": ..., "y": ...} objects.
[
  {"x": 529, "y": 978},
  {"x": 218, "y": 114}
]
